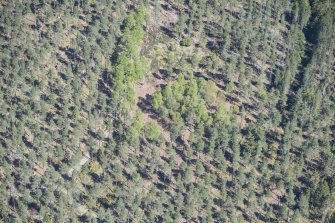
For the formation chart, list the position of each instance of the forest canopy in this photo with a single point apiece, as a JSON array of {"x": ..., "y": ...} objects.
[{"x": 167, "y": 111}]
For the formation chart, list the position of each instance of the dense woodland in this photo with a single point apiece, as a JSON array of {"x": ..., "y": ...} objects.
[{"x": 167, "y": 111}]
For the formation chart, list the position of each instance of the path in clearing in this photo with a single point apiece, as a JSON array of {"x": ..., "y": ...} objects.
[{"x": 81, "y": 162}]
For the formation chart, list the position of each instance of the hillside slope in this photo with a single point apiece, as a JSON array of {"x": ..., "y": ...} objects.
[{"x": 167, "y": 111}]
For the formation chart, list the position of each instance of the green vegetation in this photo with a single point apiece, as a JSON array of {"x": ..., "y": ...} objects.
[
  {"x": 167, "y": 111},
  {"x": 186, "y": 42},
  {"x": 152, "y": 131}
]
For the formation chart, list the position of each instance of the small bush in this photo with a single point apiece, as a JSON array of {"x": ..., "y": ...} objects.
[
  {"x": 186, "y": 42},
  {"x": 152, "y": 131}
]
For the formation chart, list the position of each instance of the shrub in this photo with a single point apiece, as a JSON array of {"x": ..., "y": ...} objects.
[
  {"x": 186, "y": 42},
  {"x": 152, "y": 131}
]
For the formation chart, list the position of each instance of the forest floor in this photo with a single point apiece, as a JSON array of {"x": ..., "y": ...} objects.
[
  {"x": 81, "y": 162},
  {"x": 143, "y": 94}
]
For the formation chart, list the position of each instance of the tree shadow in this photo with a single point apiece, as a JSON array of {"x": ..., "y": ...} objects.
[
  {"x": 219, "y": 77},
  {"x": 61, "y": 59},
  {"x": 157, "y": 76},
  {"x": 28, "y": 143},
  {"x": 71, "y": 54},
  {"x": 181, "y": 154},
  {"x": 163, "y": 177},
  {"x": 145, "y": 105},
  {"x": 167, "y": 32},
  {"x": 160, "y": 186},
  {"x": 232, "y": 99},
  {"x": 103, "y": 88},
  {"x": 212, "y": 77}
]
